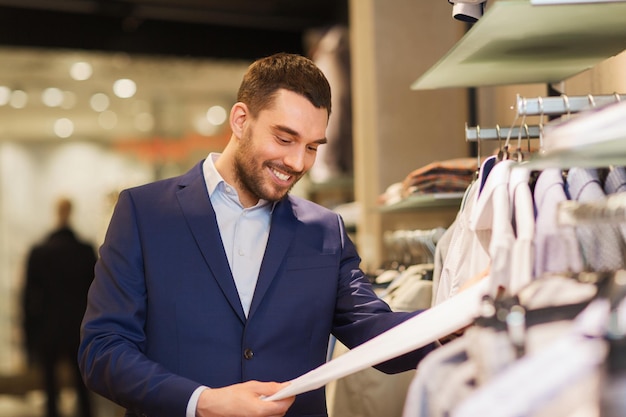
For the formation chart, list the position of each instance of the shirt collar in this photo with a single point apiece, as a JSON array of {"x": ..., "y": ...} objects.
[
  {"x": 211, "y": 176},
  {"x": 214, "y": 179}
]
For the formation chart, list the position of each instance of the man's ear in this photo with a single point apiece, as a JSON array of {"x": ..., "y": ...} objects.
[{"x": 238, "y": 116}]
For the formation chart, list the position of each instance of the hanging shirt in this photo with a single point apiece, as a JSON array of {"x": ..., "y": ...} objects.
[
  {"x": 491, "y": 221},
  {"x": 556, "y": 246},
  {"x": 523, "y": 210},
  {"x": 465, "y": 257},
  {"x": 615, "y": 183},
  {"x": 600, "y": 243}
]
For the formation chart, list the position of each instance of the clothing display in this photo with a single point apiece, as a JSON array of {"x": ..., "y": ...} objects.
[
  {"x": 453, "y": 175},
  {"x": 523, "y": 295},
  {"x": 552, "y": 295},
  {"x": 474, "y": 365},
  {"x": 439, "y": 177}
]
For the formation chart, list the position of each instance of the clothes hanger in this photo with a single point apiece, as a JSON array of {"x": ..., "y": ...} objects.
[
  {"x": 518, "y": 155},
  {"x": 568, "y": 111},
  {"x": 489, "y": 162},
  {"x": 504, "y": 153}
]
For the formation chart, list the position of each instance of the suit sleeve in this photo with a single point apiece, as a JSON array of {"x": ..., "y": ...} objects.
[
  {"x": 112, "y": 351},
  {"x": 361, "y": 315}
]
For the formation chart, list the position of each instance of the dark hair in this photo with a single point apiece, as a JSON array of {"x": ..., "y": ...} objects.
[{"x": 292, "y": 72}]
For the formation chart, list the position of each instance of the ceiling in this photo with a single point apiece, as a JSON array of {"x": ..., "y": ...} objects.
[
  {"x": 183, "y": 55},
  {"x": 210, "y": 28}
]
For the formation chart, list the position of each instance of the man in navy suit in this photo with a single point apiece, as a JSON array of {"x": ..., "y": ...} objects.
[{"x": 214, "y": 288}]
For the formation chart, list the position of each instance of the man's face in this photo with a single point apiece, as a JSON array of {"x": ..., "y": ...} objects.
[{"x": 278, "y": 147}]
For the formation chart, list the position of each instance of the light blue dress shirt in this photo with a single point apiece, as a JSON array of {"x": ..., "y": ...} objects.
[{"x": 244, "y": 233}]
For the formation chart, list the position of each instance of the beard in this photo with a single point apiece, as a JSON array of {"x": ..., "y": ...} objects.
[{"x": 251, "y": 174}]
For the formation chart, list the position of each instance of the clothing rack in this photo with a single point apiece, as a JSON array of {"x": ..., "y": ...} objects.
[
  {"x": 477, "y": 133},
  {"x": 563, "y": 104},
  {"x": 539, "y": 106}
]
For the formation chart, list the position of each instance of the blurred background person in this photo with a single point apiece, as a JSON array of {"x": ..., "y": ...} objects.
[
  {"x": 59, "y": 271},
  {"x": 330, "y": 50}
]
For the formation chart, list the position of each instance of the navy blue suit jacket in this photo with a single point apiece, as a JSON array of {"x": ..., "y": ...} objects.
[{"x": 164, "y": 315}]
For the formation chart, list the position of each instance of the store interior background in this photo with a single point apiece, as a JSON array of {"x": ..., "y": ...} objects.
[{"x": 186, "y": 57}]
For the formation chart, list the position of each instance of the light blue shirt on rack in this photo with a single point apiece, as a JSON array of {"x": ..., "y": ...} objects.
[{"x": 244, "y": 233}]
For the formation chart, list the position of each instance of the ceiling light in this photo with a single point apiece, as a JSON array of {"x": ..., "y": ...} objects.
[
  {"x": 124, "y": 88},
  {"x": 63, "y": 128},
  {"x": 52, "y": 97},
  {"x": 81, "y": 71},
  {"x": 216, "y": 115},
  {"x": 18, "y": 99},
  {"x": 99, "y": 102}
]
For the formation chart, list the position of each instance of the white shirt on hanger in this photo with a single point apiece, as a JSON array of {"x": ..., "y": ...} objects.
[
  {"x": 491, "y": 220},
  {"x": 521, "y": 201}
]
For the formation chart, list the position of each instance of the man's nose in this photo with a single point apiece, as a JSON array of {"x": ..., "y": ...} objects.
[{"x": 296, "y": 159}]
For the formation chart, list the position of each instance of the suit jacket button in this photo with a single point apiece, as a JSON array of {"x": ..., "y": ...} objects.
[{"x": 248, "y": 354}]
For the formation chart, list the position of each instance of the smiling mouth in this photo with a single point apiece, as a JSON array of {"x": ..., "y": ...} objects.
[{"x": 280, "y": 175}]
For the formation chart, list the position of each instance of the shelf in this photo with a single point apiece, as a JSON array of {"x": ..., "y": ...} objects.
[
  {"x": 516, "y": 42},
  {"x": 424, "y": 201}
]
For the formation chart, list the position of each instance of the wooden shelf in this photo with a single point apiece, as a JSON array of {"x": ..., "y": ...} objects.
[{"x": 516, "y": 42}]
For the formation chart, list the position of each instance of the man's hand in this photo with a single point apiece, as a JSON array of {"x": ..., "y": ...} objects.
[{"x": 243, "y": 400}]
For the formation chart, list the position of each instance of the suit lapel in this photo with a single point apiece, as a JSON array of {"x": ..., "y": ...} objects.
[
  {"x": 202, "y": 222},
  {"x": 282, "y": 232}
]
